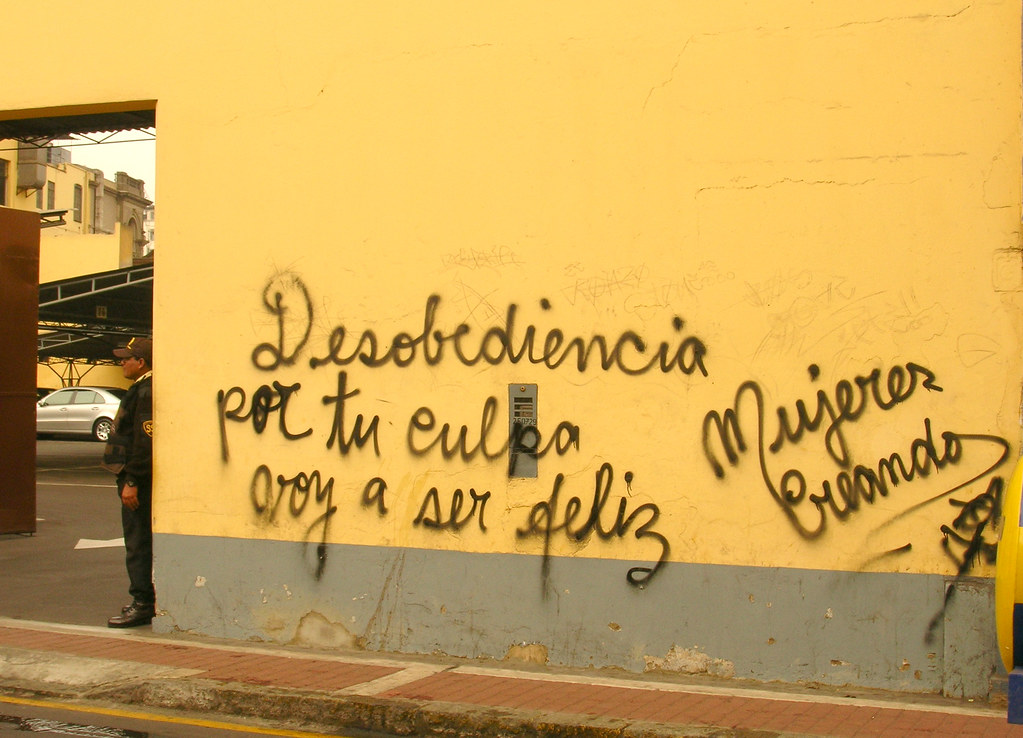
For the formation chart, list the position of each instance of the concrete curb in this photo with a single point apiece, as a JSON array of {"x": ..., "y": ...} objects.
[{"x": 398, "y": 717}]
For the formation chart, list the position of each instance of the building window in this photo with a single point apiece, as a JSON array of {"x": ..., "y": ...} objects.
[
  {"x": 39, "y": 199},
  {"x": 78, "y": 204},
  {"x": 3, "y": 181},
  {"x": 94, "y": 198},
  {"x": 51, "y": 195}
]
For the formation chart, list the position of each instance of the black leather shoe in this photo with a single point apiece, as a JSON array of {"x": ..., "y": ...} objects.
[
  {"x": 130, "y": 605},
  {"x": 132, "y": 616}
]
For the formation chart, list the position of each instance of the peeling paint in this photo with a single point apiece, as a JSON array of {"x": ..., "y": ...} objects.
[
  {"x": 276, "y": 625},
  {"x": 690, "y": 661},
  {"x": 317, "y": 631},
  {"x": 530, "y": 653}
]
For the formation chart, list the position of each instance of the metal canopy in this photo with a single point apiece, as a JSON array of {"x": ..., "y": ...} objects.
[
  {"x": 85, "y": 318},
  {"x": 53, "y": 127}
]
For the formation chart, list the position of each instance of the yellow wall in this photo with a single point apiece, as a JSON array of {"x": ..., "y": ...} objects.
[
  {"x": 65, "y": 255},
  {"x": 835, "y": 186},
  {"x": 57, "y": 374}
]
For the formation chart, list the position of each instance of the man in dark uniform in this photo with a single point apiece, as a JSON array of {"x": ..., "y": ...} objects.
[{"x": 130, "y": 453}]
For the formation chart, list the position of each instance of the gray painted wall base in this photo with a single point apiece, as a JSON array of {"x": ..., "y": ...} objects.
[{"x": 887, "y": 631}]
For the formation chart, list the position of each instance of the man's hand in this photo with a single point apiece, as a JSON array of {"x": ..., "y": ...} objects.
[{"x": 130, "y": 496}]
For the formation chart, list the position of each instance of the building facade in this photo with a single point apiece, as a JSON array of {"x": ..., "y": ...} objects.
[
  {"x": 149, "y": 229},
  {"x": 651, "y": 337},
  {"x": 40, "y": 176}
]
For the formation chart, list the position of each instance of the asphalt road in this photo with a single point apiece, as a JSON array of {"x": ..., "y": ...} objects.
[{"x": 72, "y": 569}]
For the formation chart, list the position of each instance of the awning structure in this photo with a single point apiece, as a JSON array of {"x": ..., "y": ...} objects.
[
  {"x": 85, "y": 318},
  {"x": 58, "y": 123}
]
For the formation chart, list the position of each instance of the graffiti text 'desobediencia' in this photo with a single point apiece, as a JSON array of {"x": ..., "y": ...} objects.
[{"x": 628, "y": 352}]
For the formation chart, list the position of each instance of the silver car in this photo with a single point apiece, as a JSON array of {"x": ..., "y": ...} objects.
[{"x": 81, "y": 411}]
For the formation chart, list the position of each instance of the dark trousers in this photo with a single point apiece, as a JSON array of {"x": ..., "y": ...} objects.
[{"x": 138, "y": 544}]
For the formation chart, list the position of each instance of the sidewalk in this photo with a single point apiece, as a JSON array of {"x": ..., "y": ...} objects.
[{"x": 311, "y": 690}]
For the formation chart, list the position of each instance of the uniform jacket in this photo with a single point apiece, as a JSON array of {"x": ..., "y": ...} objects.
[{"x": 129, "y": 450}]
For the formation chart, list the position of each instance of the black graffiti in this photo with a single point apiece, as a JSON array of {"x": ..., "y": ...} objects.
[
  {"x": 856, "y": 484},
  {"x": 996, "y": 441},
  {"x": 431, "y": 504},
  {"x": 850, "y": 404},
  {"x": 274, "y": 295},
  {"x": 866, "y": 484},
  {"x": 967, "y": 531},
  {"x": 423, "y": 421},
  {"x": 359, "y": 435},
  {"x": 628, "y": 353},
  {"x": 976, "y": 518},
  {"x": 422, "y": 436},
  {"x": 267, "y": 493},
  {"x": 851, "y": 400},
  {"x": 373, "y": 494},
  {"x": 524, "y": 443},
  {"x": 236, "y": 406},
  {"x": 543, "y": 523}
]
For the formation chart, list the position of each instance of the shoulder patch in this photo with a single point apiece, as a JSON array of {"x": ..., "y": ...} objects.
[{"x": 147, "y": 426}]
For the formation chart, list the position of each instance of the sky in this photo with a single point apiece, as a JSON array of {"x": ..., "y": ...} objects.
[{"x": 122, "y": 152}]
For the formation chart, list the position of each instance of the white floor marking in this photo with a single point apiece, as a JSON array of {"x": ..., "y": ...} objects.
[{"x": 92, "y": 543}]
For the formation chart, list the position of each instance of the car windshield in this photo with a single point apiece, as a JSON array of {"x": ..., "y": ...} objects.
[{"x": 118, "y": 392}]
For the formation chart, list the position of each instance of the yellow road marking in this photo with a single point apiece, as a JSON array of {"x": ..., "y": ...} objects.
[{"x": 127, "y": 714}]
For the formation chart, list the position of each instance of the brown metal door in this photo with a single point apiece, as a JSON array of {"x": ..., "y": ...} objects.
[{"x": 19, "y": 320}]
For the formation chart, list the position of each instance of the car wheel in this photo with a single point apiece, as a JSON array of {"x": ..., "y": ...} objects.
[{"x": 102, "y": 429}]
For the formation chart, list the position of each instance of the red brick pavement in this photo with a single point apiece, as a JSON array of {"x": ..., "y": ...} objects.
[
  {"x": 722, "y": 710},
  {"x": 242, "y": 666},
  {"x": 548, "y": 693}
]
